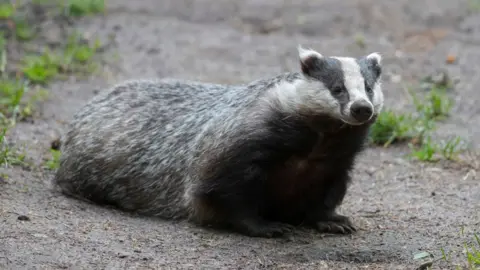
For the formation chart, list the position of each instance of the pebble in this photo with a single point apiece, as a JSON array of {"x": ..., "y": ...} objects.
[
  {"x": 23, "y": 218},
  {"x": 123, "y": 255}
]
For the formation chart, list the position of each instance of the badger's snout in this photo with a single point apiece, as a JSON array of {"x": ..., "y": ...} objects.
[{"x": 361, "y": 110}]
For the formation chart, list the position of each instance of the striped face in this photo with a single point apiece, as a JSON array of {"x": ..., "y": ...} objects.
[{"x": 345, "y": 88}]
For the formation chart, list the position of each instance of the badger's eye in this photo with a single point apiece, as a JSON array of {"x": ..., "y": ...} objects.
[
  {"x": 337, "y": 90},
  {"x": 368, "y": 89}
]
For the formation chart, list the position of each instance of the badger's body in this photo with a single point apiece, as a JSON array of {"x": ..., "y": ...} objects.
[{"x": 258, "y": 158}]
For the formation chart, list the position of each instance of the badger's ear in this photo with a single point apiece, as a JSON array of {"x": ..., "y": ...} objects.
[
  {"x": 375, "y": 58},
  {"x": 310, "y": 60},
  {"x": 374, "y": 62}
]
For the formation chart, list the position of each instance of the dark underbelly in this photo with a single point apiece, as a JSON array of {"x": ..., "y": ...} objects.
[{"x": 294, "y": 188}]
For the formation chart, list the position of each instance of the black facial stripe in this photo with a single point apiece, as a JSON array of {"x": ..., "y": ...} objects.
[
  {"x": 329, "y": 72},
  {"x": 370, "y": 71}
]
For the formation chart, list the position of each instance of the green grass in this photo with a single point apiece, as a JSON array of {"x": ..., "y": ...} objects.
[
  {"x": 436, "y": 105},
  {"x": 414, "y": 128},
  {"x": 391, "y": 127},
  {"x": 426, "y": 151},
  {"x": 11, "y": 95},
  {"x": 54, "y": 162},
  {"x": 20, "y": 81},
  {"x": 16, "y": 103},
  {"x": 471, "y": 253},
  {"x": 76, "y": 8},
  {"x": 83, "y": 7},
  {"x": 433, "y": 151},
  {"x": 76, "y": 56},
  {"x": 8, "y": 156},
  {"x": 451, "y": 148},
  {"x": 41, "y": 68},
  {"x": 23, "y": 30},
  {"x": 6, "y": 10}
]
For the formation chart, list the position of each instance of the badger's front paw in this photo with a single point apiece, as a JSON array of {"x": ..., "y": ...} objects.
[
  {"x": 336, "y": 224},
  {"x": 260, "y": 228}
]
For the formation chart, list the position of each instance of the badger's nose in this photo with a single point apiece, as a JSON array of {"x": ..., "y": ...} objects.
[{"x": 361, "y": 110}]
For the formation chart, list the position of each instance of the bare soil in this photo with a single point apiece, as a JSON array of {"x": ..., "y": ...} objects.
[{"x": 401, "y": 206}]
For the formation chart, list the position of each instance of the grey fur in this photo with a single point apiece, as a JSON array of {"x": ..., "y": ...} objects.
[
  {"x": 147, "y": 145},
  {"x": 151, "y": 132}
]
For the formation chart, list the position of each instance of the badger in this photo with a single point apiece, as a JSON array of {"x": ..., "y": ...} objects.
[{"x": 258, "y": 158}]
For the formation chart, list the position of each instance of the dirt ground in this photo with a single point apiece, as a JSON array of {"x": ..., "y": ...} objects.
[{"x": 402, "y": 207}]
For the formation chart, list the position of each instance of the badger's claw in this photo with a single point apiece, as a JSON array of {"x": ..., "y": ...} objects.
[
  {"x": 336, "y": 224},
  {"x": 257, "y": 228}
]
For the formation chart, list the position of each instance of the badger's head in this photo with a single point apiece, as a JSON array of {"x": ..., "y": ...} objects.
[{"x": 345, "y": 88}]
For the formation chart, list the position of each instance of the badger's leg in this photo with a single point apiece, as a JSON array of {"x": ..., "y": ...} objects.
[
  {"x": 332, "y": 222},
  {"x": 323, "y": 215},
  {"x": 258, "y": 227},
  {"x": 233, "y": 196}
]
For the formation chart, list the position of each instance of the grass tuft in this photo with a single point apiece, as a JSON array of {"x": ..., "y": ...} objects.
[
  {"x": 11, "y": 96},
  {"x": 83, "y": 7},
  {"x": 6, "y": 10},
  {"x": 391, "y": 127},
  {"x": 414, "y": 129},
  {"x": 471, "y": 252},
  {"x": 76, "y": 56},
  {"x": 436, "y": 106},
  {"x": 41, "y": 68},
  {"x": 54, "y": 162},
  {"x": 23, "y": 30},
  {"x": 8, "y": 156}
]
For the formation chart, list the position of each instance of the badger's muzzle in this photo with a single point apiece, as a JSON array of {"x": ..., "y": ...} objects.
[{"x": 361, "y": 111}]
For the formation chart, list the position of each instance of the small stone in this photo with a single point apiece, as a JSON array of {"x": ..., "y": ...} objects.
[
  {"x": 153, "y": 51},
  {"x": 433, "y": 193},
  {"x": 23, "y": 218},
  {"x": 395, "y": 78},
  {"x": 451, "y": 59},
  {"x": 123, "y": 255}
]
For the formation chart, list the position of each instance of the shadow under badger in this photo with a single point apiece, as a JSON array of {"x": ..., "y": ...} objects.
[{"x": 258, "y": 158}]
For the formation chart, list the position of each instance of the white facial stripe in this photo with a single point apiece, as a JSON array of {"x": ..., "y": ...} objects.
[{"x": 354, "y": 81}]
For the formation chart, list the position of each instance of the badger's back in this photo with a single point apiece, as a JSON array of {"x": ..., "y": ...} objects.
[{"x": 129, "y": 146}]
